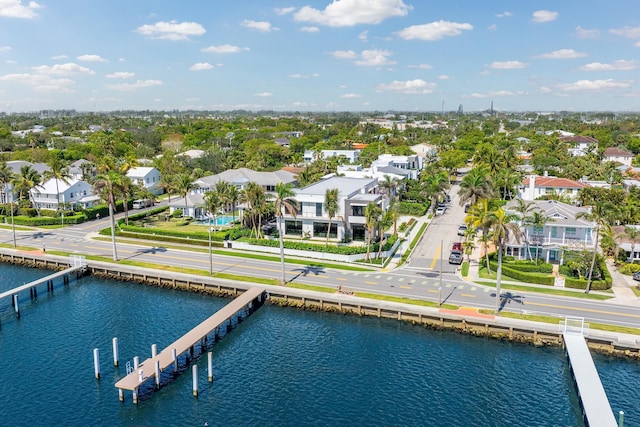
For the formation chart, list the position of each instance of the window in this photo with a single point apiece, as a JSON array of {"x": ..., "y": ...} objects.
[
  {"x": 570, "y": 231},
  {"x": 293, "y": 227},
  {"x": 320, "y": 230},
  {"x": 358, "y": 232},
  {"x": 357, "y": 211},
  {"x": 318, "y": 210}
]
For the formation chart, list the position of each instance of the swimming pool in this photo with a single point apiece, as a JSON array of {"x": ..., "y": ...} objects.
[{"x": 220, "y": 220}]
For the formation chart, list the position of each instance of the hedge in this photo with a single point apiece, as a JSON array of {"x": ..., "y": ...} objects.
[
  {"x": 47, "y": 220},
  {"x": 312, "y": 247},
  {"x": 170, "y": 239},
  {"x": 186, "y": 235},
  {"x": 524, "y": 276},
  {"x": 412, "y": 208}
]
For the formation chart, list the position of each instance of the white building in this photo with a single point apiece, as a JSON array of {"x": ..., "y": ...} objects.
[
  {"x": 77, "y": 194},
  {"x": 147, "y": 177},
  {"x": 242, "y": 176},
  {"x": 613, "y": 154},
  {"x": 535, "y": 187},
  {"x": 351, "y": 156},
  {"x": 353, "y": 197}
]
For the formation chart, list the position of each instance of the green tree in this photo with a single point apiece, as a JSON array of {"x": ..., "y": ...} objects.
[
  {"x": 524, "y": 209},
  {"x": 331, "y": 207},
  {"x": 256, "y": 199},
  {"x": 28, "y": 179},
  {"x": 284, "y": 202},
  {"x": 597, "y": 214},
  {"x": 59, "y": 172},
  {"x": 503, "y": 227},
  {"x": 538, "y": 220},
  {"x": 372, "y": 214},
  {"x": 106, "y": 186},
  {"x": 479, "y": 217},
  {"x": 474, "y": 186},
  {"x": 183, "y": 186}
]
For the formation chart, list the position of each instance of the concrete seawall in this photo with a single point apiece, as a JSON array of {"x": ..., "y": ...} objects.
[{"x": 501, "y": 328}]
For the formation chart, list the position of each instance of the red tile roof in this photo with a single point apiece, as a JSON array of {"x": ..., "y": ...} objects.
[
  {"x": 554, "y": 182},
  {"x": 617, "y": 152}
]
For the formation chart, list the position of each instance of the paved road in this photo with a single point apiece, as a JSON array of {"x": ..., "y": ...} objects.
[{"x": 420, "y": 278}]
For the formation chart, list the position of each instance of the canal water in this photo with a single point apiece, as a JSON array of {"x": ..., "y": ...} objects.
[{"x": 281, "y": 367}]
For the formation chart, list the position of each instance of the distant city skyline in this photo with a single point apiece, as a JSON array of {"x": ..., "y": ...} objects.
[{"x": 320, "y": 55}]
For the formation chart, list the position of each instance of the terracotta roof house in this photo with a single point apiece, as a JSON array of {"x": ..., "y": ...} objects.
[
  {"x": 535, "y": 187},
  {"x": 618, "y": 155}
]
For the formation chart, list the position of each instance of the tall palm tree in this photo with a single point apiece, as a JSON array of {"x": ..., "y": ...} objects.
[
  {"x": 372, "y": 214},
  {"x": 331, "y": 207},
  {"x": 106, "y": 186},
  {"x": 256, "y": 199},
  {"x": 537, "y": 220},
  {"x": 479, "y": 217},
  {"x": 284, "y": 202},
  {"x": 6, "y": 176},
  {"x": 233, "y": 195},
  {"x": 183, "y": 186},
  {"x": 503, "y": 227},
  {"x": 597, "y": 214},
  {"x": 222, "y": 188},
  {"x": 27, "y": 180},
  {"x": 633, "y": 234},
  {"x": 60, "y": 172},
  {"x": 525, "y": 209},
  {"x": 474, "y": 186},
  {"x": 434, "y": 186},
  {"x": 126, "y": 189},
  {"x": 389, "y": 186}
]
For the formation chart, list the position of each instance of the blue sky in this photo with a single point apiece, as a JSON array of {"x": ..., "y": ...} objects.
[{"x": 320, "y": 55}]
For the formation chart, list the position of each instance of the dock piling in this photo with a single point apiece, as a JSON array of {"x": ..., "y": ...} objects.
[
  {"x": 621, "y": 419},
  {"x": 195, "y": 380},
  {"x": 115, "y": 352},
  {"x": 154, "y": 350},
  {"x": 210, "y": 366},
  {"x": 174, "y": 356},
  {"x": 96, "y": 363},
  {"x": 136, "y": 362},
  {"x": 15, "y": 305},
  {"x": 157, "y": 373}
]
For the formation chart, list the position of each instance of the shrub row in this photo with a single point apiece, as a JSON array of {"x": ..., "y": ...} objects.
[
  {"x": 187, "y": 235},
  {"x": 523, "y": 276},
  {"x": 163, "y": 238},
  {"x": 47, "y": 220},
  {"x": 412, "y": 208},
  {"x": 312, "y": 247}
]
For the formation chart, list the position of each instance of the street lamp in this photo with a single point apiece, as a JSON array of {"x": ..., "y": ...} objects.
[{"x": 440, "y": 288}]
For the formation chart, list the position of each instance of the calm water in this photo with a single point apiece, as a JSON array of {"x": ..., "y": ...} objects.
[{"x": 281, "y": 367}]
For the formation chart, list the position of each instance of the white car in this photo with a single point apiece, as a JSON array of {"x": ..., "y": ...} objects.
[{"x": 440, "y": 210}]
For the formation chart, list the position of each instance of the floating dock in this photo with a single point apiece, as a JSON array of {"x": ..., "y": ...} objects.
[
  {"x": 593, "y": 399},
  {"x": 152, "y": 367}
]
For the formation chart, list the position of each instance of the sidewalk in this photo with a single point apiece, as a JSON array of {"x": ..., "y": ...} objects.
[
  {"x": 404, "y": 246},
  {"x": 621, "y": 284}
]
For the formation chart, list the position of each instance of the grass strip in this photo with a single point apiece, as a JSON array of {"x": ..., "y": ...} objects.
[
  {"x": 404, "y": 300},
  {"x": 556, "y": 320},
  {"x": 412, "y": 245},
  {"x": 549, "y": 291}
]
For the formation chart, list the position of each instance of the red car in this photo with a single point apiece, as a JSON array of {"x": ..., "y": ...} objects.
[{"x": 457, "y": 246}]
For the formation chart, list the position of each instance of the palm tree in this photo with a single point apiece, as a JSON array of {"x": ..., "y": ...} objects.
[
  {"x": 524, "y": 209},
  {"x": 27, "y": 180},
  {"x": 503, "y": 227},
  {"x": 233, "y": 195},
  {"x": 106, "y": 186},
  {"x": 6, "y": 176},
  {"x": 183, "y": 185},
  {"x": 60, "y": 172},
  {"x": 537, "y": 220},
  {"x": 389, "y": 186},
  {"x": 597, "y": 214},
  {"x": 633, "y": 234},
  {"x": 434, "y": 186},
  {"x": 256, "y": 198},
  {"x": 284, "y": 202},
  {"x": 474, "y": 186},
  {"x": 372, "y": 213},
  {"x": 331, "y": 207},
  {"x": 479, "y": 216},
  {"x": 126, "y": 189}
]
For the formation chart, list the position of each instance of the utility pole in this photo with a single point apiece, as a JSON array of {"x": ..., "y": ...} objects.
[{"x": 440, "y": 288}]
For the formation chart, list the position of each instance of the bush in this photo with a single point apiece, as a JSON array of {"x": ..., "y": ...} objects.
[
  {"x": 44, "y": 220},
  {"x": 629, "y": 268},
  {"x": 187, "y": 235},
  {"x": 313, "y": 247},
  {"x": 412, "y": 208}
]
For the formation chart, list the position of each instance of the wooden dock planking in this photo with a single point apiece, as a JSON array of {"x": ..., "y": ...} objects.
[
  {"x": 37, "y": 282},
  {"x": 165, "y": 357},
  {"x": 595, "y": 404}
]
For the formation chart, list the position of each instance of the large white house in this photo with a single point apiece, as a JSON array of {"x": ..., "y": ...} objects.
[
  {"x": 242, "y": 176},
  {"x": 563, "y": 231},
  {"x": 74, "y": 193},
  {"x": 354, "y": 194},
  {"x": 618, "y": 155},
  {"x": 535, "y": 187},
  {"x": 147, "y": 177},
  {"x": 351, "y": 156}
]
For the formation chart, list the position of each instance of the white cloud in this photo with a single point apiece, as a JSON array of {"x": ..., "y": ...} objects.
[
  {"x": 620, "y": 65},
  {"x": 224, "y": 48},
  {"x": 492, "y": 27},
  {"x": 562, "y": 54},
  {"x": 309, "y": 29},
  {"x": 507, "y": 65},
  {"x": 22, "y": 77},
  {"x": 15, "y": 9},
  {"x": 10, "y": 61},
  {"x": 498, "y": 93},
  {"x": 443, "y": 77},
  {"x": 121, "y": 59},
  {"x": 171, "y": 30},
  {"x": 120, "y": 75},
  {"x": 91, "y": 58},
  {"x": 4, "y": 49},
  {"x": 264, "y": 94},
  {"x": 201, "y": 66},
  {"x": 594, "y": 85},
  {"x": 629, "y": 32},
  {"x": 540, "y": 16},
  {"x": 59, "y": 57},
  {"x": 62, "y": 69},
  {"x": 347, "y": 13},
  {"x": 504, "y": 14},
  {"x": 40, "y": 82},
  {"x": 350, "y": 95},
  {"x": 302, "y": 76},
  {"x": 133, "y": 86},
  {"x": 263, "y": 26},
  {"x": 637, "y": 44},
  {"x": 434, "y": 30},
  {"x": 583, "y": 33},
  {"x": 421, "y": 66},
  {"x": 284, "y": 10},
  {"x": 344, "y": 54},
  {"x": 374, "y": 58},
  {"x": 363, "y": 36},
  {"x": 414, "y": 87}
]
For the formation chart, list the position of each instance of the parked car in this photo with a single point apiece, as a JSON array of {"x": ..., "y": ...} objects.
[
  {"x": 457, "y": 246},
  {"x": 455, "y": 257},
  {"x": 636, "y": 276},
  {"x": 467, "y": 207},
  {"x": 440, "y": 210},
  {"x": 447, "y": 198},
  {"x": 462, "y": 229},
  {"x": 142, "y": 203}
]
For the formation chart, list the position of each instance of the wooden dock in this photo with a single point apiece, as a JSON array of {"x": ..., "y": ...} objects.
[
  {"x": 167, "y": 357},
  {"x": 30, "y": 285},
  {"x": 593, "y": 399}
]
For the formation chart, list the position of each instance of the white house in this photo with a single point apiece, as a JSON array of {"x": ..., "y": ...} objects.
[
  {"x": 82, "y": 169},
  {"x": 148, "y": 177},
  {"x": 77, "y": 194},
  {"x": 354, "y": 194},
  {"x": 613, "y": 154},
  {"x": 580, "y": 145},
  {"x": 535, "y": 187},
  {"x": 242, "y": 176},
  {"x": 562, "y": 232},
  {"x": 352, "y": 156}
]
